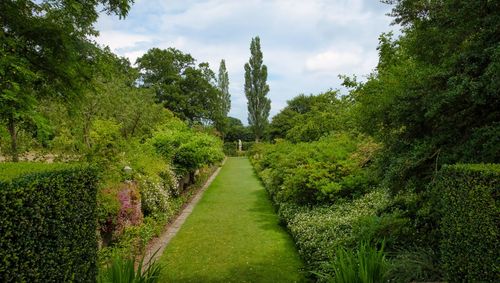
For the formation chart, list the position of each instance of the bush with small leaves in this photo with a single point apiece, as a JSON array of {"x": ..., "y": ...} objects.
[{"x": 48, "y": 219}]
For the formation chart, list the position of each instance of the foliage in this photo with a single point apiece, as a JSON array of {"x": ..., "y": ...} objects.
[
  {"x": 433, "y": 99},
  {"x": 308, "y": 118},
  {"x": 48, "y": 223},
  {"x": 188, "y": 91},
  {"x": 188, "y": 150},
  {"x": 417, "y": 265},
  {"x": 256, "y": 89},
  {"x": 319, "y": 231},
  {"x": 134, "y": 239},
  {"x": 231, "y": 148},
  {"x": 105, "y": 139},
  {"x": 324, "y": 171},
  {"x": 236, "y": 131},
  {"x": 45, "y": 52},
  {"x": 155, "y": 195},
  {"x": 223, "y": 100},
  {"x": 122, "y": 270},
  {"x": 367, "y": 264},
  {"x": 468, "y": 201},
  {"x": 11, "y": 171}
]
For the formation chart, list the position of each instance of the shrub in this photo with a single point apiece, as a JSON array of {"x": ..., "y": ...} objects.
[
  {"x": 319, "y": 231},
  {"x": 231, "y": 148},
  {"x": 416, "y": 265},
  {"x": 108, "y": 207},
  {"x": 469, "y": 201},
  {"x": 122, "y": 270},
  {"x": 130, "y": 213},
  {"x": 323, "y": 171},
  {"x": 48, "y": 223},
  {"x": 188, "y": 150},
  {"x": 366, "y": 264},
  {"x": 325, "y": 194},
  {"x": 154, "y": 195}
]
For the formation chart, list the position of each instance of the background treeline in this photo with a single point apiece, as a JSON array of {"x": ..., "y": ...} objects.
[
  {"x": 377, "y": 165},
  {"x": 150, "y": 133}
]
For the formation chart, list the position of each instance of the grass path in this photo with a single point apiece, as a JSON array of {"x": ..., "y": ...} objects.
[{"x": 232, "y": 235}]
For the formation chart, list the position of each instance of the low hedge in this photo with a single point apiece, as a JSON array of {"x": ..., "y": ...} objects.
[
  {"x": 48, "y": 223},
  {"x": 469, "y": 202},
  {"x": 231, "y": 148}
]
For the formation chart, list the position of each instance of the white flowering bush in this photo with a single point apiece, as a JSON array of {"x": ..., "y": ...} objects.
[
  {"x": 319, "y": 231},
  {"x": 170, "y": 182},
  {"x": 155, "y": 195}
]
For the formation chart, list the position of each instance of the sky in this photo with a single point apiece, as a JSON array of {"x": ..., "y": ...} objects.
[{"x": 306, "y": 43}]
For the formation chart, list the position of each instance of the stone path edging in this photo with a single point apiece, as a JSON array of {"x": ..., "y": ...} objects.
[{"x": 155, "y": 251}]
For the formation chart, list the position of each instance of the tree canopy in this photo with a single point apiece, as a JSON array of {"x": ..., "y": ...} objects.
[
  {"x": 308, "y": 118},
  {"x": 187, "y": 90},
  {"x": 433, "y": 99},
  {"x": 45, "y": 51}
]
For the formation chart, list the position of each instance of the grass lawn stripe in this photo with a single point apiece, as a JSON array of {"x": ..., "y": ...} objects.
[{"x": 232, "y": 235}]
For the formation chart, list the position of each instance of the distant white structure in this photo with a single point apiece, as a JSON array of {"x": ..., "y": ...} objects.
[
  {"x": 240, "y": 145},
  {"x": 127, "y": 169}
]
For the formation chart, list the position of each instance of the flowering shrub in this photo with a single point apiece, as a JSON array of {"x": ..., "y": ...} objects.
[
  {"x": 130, "y": 207},
  {"x": 170, "y": 182},
  {"x": 319, "y": 231},
  {"x": 155, "y": 195}
]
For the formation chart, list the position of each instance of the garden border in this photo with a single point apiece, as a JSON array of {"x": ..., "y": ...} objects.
[{"x": 156, "y": 246}]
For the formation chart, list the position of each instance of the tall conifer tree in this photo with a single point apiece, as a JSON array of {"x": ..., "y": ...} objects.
[{"x": 256, "y": 90}]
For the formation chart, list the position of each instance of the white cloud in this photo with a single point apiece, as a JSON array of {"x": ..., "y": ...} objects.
[
  {"x": 133, "y": 55},
  {"x": 335, "y": 60},
  {"x": 120, "y": 40}
]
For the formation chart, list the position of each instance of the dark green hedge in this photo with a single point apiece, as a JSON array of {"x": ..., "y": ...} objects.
[
  {"x": 48, "y": 223},
  {"x": 470, "y": 246}
]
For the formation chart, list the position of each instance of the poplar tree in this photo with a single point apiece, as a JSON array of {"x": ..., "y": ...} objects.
[
  {"x": 256, "y": 90},
  {"x": 223, "y": 84},
  {"x": 224, "y": 99}
]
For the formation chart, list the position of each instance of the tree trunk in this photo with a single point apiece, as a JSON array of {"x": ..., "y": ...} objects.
[
  {"x": 86, "y": 134},
  {"x": 136, "y": 122},
  {"x": 11, "y": 125}
]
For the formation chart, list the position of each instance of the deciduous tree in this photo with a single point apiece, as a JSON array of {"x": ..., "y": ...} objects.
[
  {"x": 223, "y": 99},
  {"x": 45, "y": 51},
  {"x": 256, "y": 89}
]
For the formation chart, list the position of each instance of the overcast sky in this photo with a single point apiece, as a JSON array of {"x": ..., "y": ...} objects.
[{"x": 306, "y": 43}]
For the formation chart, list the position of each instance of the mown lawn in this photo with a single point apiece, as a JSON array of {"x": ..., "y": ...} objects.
[{"x": 232, "y": 235}]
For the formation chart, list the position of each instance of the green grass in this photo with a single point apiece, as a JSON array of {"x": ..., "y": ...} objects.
[{"x": 232, "y": 235}]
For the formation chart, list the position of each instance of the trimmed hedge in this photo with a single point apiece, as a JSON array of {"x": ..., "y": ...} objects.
[
  {"x": 48, "y": 223},
  {"x": 9, "y": 171},
  {"x": 470, "y": 246}
]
